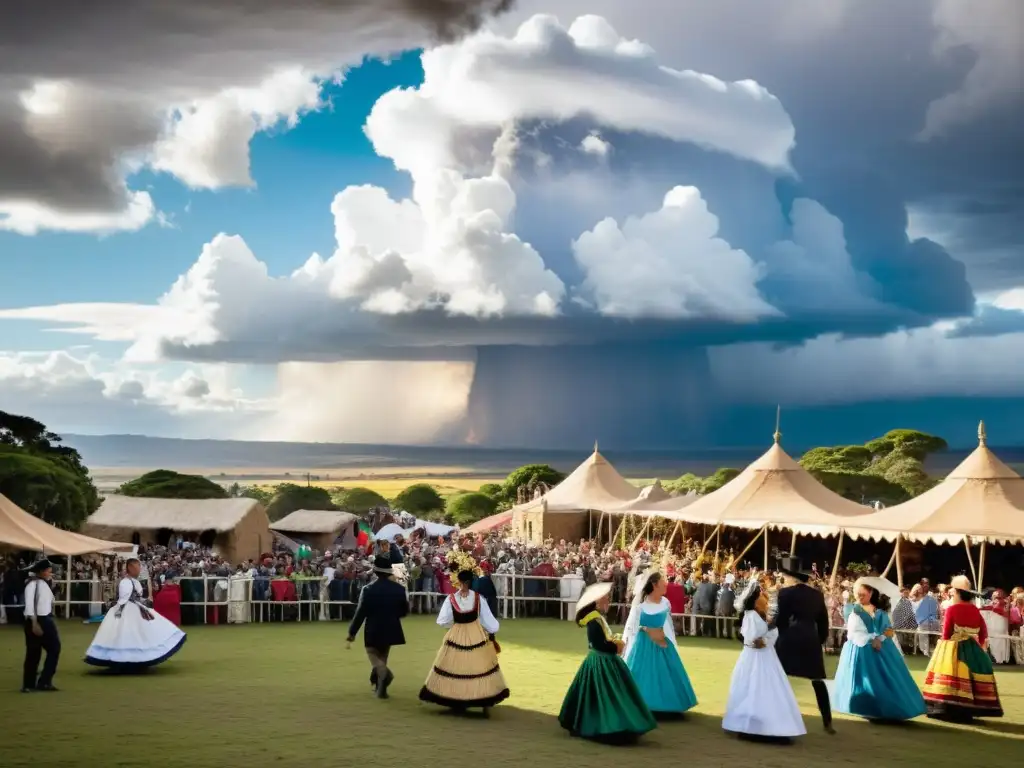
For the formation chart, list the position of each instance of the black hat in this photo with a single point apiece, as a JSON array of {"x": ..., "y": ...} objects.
[
  {"x": 40, "y": 566},
  {"x": 793, "y": 566},
  {"x": 382, "y": 565},
  {"x": 465, "y": 577}
]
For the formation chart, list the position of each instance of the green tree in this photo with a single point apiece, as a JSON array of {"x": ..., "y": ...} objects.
[
  {"x": 909, "y": 442},
  {"x": 289, "y": 497},
  {"x": 419, "y": 499},
  {"x": 841, "y": 458},
  {"x": 691, "y": 483},
  {"x": 262, "y": 495},
  {"x": 862, "y": 486},
  {"x": 358, "y": 500},
  {"x": 42, "y": 476},
  {"x": 529, "y": 476},
  {"x": 467, "y": 508},
  {"x": 718, "y": 478},
  {"x": 168, "y": 484},
  {"x": 491, "y": 489}
]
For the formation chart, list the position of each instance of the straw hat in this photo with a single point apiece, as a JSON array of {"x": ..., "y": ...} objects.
[
  {"x": 593, "y": 593},
  {"x": 884, "y": 586},
  {"x": 961, "y": 583}
]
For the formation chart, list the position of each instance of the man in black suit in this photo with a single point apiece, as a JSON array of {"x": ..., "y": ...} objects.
[
  {"x": 484, "y": 586},
  {"x": 382, "y": 605},
  {"x": 802, "y": 621}
]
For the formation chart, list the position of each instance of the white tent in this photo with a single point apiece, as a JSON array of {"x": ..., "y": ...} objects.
[{"x": 594, "y": 484}]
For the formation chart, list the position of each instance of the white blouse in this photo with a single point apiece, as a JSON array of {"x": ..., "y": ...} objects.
[
  {"x": 126, "y": 587},
  {"x": 755, "y": 628},
  {"x": 465, "y": 602}
]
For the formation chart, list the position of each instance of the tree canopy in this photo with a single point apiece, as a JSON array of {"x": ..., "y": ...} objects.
[
  {"x": 528, "y": 476},
  {"x": 419, "y": 499},
  {"x": 467, "y": 508},
  {"x": 42, "y": 476},
  {"x": 289, "y": 497},
  {"x": 358, "y": 500},
  {"x": 491, "y": 489},
  {"x": 691, "y": 483},
  {"x": 168, "y": 484}
]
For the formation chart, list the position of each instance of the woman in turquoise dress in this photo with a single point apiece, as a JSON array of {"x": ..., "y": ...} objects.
[
  {"x": 603, "y": 703},
  {"x": 872, "y": 679},
  {"x": 651, "y": 652}
]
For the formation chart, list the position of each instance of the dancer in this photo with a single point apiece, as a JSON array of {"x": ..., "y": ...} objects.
[
  {"x": 802, "y": 621},
  {"x": 382, "y": 605},
  {"x": 603, "y": 703},
  {"x": 133, "y": 637},
  {"x": 466, "y": 673},
  {"x": 40, "y": 630},
  {"x": 872, "y": 679},
  {"x": 761, "y": 704},
  {"x": 960, "y": 683},
  {"x": 651, "y": 652}
]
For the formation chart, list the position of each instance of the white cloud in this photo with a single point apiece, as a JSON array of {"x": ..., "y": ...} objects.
[
  {"x": 593, "y": 144},
  {"x": 993, "y": 31},
  {"x": 904, "y": 365},
  {"x": 546, "y": 71},
  {"x": 669, "y": 264},
  {"x": 206, "y": 142},
  {"x": 29, "y": 218}
]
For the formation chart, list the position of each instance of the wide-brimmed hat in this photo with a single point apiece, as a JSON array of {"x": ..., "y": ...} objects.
[
  {"x": 593, "y": 593},
  {"x": 962, "y": 584},
  {"x": 793, "y": 566},
  {"x": 39, "y": 566},
  {"x": 383, "y": 565},
  {"x": 884, "y": 586}
]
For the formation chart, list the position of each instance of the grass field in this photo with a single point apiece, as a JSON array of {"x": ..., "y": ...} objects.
[{"x": 291, "y": 695}]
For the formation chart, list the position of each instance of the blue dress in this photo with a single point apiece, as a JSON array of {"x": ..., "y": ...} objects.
[
  {"x": 659, "y": 672},
  {"x": 874, "y": 684}
]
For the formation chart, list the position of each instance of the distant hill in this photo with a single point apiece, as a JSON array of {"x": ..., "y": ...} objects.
[{"x": 141, "y": 452}]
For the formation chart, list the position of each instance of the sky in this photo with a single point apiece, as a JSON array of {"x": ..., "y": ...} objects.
[{"x": 514, "y": 223}]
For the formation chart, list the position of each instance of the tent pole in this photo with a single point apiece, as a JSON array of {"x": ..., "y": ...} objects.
[
  {"x": 792, "y": 545},
  {"x": 707, "y": 539},
  {"x": 764, "y": 531},
  {"x": 67, "y": 590},
  {"x": 616, "y": 534},
  {"x": 981, "y": 565},
  {"x": 611, "y": 533},
  {"x": 839, "y": 555},
  {"x": 668, "y": 546},
  {"x": 892, "y": 560},
  {"x": 766, "y": 550},
  {"x": 970, "y": 558},
  {"x": 899, "y": 561},
  {"x": 641, "y": 534}
]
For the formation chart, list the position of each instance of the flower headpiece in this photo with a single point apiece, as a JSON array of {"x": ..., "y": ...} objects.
[{"x": 459, "y": 561}]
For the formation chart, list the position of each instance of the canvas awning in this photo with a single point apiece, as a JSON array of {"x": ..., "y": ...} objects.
[
  {"x": 318, "y": 521},
  {"x": 594, "y": 484},
  {"x": 20, "y": 530},
  {"x": 492, "y": 523},
  {"x": 982, "y": 500}
]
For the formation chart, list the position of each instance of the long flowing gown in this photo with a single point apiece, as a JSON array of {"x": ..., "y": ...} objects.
[
  {"x": 127, "y": 640},
  {"x": 874, "y": 684},
  {"x": 761, "y": 700},
  {"x": 466, "y": 673},
  {"x": 603, "y": 702},
  {"x": 960, "y": 681},
  {"x": 658, "y": 671}
]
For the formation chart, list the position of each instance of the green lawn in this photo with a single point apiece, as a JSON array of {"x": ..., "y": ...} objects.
[{"x": 291, "y": 695}]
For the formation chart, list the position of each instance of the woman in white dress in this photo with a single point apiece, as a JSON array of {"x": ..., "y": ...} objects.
[
  {"x": 761, "y": 702},
  {"x": 133, "y": 637}
]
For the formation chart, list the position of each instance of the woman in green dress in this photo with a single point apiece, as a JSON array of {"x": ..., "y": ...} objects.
[{"x": 603, "y": 703}]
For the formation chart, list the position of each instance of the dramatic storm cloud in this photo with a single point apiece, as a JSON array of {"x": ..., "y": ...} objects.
[{"x": 638, "y": 223}]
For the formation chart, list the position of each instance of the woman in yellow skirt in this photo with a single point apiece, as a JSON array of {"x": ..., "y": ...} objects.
[{"x": 466, "y": 674}]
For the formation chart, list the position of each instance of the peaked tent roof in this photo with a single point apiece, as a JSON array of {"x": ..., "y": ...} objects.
[
  {"x": 24, "y": 531},
  {"x": 982, "y": 498},
  {"x": 142, "y": 513},
  {"x": 777, "y": 491},
  {"x": 314, "y": 521},
  {"x": 594, "y": 484},
  {"x": 655, "y": 501}
]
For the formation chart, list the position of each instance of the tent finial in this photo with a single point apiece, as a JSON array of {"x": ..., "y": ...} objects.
[
  {"x": 982, "y": 438},
  {"x": 778, "y": 422}
]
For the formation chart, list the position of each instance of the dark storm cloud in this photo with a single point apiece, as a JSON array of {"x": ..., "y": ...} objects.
[{"x": 129, "y": 62}]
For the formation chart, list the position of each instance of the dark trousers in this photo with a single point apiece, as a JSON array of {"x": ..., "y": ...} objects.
[
  {"x": 824, "y": 705},
  {"x": 49, "y": 641},
  {"x": 379, "y": 662}
]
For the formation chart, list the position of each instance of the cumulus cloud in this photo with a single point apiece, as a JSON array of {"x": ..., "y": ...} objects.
[
  {"x": 593, "y": 144},
  {"x": 671, "y": 264},
  {"x": 181, "y": 89}
]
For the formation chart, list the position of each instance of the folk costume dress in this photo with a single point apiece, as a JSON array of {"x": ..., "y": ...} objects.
[
  {"x": 657, "y": 671},
  {"x": 874, "y": 684},
  {"x": 603, "y": 703},
  {"x": 127, "y": 640},
  {"x": 466, "y": 673},
  {"x": 761, "y": 701},
  {"x": 960, "y": 682}
]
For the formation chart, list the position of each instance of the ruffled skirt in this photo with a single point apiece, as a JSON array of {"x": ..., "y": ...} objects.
[
  {"x": 466, "y": 673},
  {"x": 960, "y": 681},
  {"x": 128, "y": 641}
]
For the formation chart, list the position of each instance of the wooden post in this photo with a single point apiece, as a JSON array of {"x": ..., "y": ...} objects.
[
  {"x": 764, "y": 531},
  {"x": 611, "y": 534},
  {"x": 892, "y": 560},
  {"x": 792, "y": 545},
  {"x": 970, "y": 559},
  {"x": 67, "y": 590},
  {"x": 616, "y": 534},
  {"x": 641, "y": 534},
  {"x": 668, "y": 546},
  {"x": 704, "y": 548},
  {"x": 981, "y": 565},
  {"x": 899, "y": 561},
  {"x": 766, "y": 550},
  {"x": 839, "y": 557}
]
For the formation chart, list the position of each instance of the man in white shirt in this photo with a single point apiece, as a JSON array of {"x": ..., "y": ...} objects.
[{"x": 40, "y": 630}]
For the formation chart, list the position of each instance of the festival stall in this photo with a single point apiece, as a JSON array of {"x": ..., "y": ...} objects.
[
  {"x": 492, "y": 523},
  {"x": 320, "y": 528}
]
